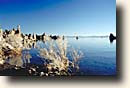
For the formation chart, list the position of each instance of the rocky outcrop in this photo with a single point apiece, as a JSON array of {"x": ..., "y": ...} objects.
[{"x": 112, "y": 37}]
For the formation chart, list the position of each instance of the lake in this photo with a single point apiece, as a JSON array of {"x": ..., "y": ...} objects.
[{"x": 99, "y": 55}]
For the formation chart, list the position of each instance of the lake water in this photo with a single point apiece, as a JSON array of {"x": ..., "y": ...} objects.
[{"x": 99, "y": 55}]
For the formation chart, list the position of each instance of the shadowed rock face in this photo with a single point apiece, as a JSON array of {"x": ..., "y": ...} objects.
[
  {"x": 54, "y": 37},
  {"x": 42, "y": 37},
  {"x": 112, "y": 37}
]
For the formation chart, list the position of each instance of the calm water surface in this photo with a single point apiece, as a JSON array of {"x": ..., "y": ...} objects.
[{"x": 99, "y": 55}]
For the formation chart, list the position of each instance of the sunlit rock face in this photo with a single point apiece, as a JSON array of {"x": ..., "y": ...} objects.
[{"x": 14, "y": 39}]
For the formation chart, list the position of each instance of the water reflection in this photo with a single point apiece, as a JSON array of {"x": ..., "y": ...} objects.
[
  {"x": 26, "y": 56},
  {"x": 22, "y": 58},
  {"x": 14, "y": 60},
  {"x": 18, "y": 59},
  {"x": 111, "y": 40}
]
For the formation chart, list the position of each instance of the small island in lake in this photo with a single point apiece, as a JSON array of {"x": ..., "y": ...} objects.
[{"x": 112, "y": 37}]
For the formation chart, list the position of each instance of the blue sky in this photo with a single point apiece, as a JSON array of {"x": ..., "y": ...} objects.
[{"x": 60, "y": 17}]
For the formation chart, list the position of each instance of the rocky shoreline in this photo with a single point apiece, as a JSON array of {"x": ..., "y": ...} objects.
[{"x": 31, "y": 70}]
